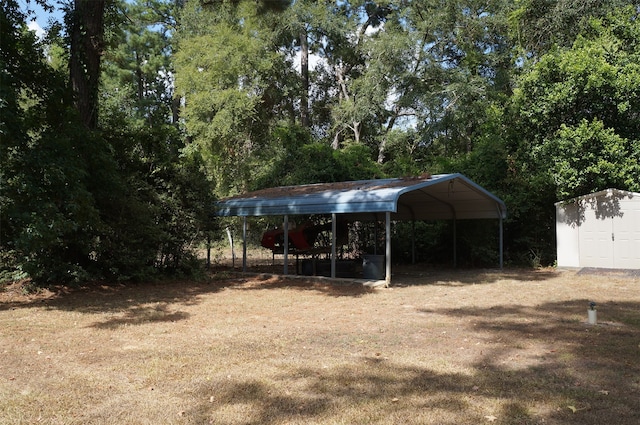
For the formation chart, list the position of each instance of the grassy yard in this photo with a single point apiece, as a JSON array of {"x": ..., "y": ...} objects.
[{"x": 438, "y": 347}]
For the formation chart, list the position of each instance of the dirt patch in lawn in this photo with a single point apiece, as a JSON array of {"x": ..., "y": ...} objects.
[{"x": 441, "y": 347}]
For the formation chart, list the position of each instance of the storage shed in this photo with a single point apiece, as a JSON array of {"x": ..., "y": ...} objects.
[{"x": 599, "y": 230}]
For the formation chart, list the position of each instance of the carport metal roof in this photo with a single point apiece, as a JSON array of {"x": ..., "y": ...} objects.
[{"x": 443, "y": 196}]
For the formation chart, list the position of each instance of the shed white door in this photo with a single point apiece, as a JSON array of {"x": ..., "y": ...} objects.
[
  {"x": 610, "y": 239},
  {"x": 596, "y": 239},
  {"x": 626, "y": 234}
]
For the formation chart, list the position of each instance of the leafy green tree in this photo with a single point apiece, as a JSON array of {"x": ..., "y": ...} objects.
[
  {"x": 467, "y": 67},
  {"x": 540, "y": 25},
  {"x": 77, "y": 202},
  {"x": 158, "y": 207},
  {"x": 585, "y": 96},
  {"x": 571, "y": 129},
  {"x": 161, "y": 208},
  {"x": 85, "y": 24},
  {"x": 48, "y": 216},
  {"x": 358, "y": 97},
  {"x": 227, "y": 71},
  {"x": 405, "y": 80},
  {"x": 137, "y": 70},
  {"x": 296, "y": 159},
  {"x": 589, "y": 157},
  {"x": 420, "y": 69}
]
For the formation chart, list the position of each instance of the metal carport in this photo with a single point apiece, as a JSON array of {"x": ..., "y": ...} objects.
[{"x": 437, "y": 197}]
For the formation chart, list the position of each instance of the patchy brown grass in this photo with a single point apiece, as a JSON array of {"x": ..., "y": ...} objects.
[{"x": 454, "y": 347}]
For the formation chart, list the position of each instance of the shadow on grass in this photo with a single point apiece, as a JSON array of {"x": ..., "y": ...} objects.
[
  {"x": 420, "y": 274},
  {"x": 102, "y": 297},
  {"x": 325, "y": 286},
  {"x": 415, "y": 275},
  {"x": 390, "y": 393},
  {"x": 142, "y": 315},
  {"x": 105, "y": 297},
  {"x": 403, "y": 276},
  {"x": 534, "y": 368}
]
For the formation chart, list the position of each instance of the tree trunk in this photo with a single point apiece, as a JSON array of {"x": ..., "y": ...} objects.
[
  {"x": 356, "y": 131},
  {"x": 335, "y": 145},
  {"x": 86, "y": 29},
  {"x": 175, "y": 110},
  {"x": 304, "y": 71}
]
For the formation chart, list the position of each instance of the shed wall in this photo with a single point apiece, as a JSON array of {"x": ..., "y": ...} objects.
[
  {"x": 600, "y": 230},
  {"x": 627, "y": 234},
  {"x": 567, "y": 235}
]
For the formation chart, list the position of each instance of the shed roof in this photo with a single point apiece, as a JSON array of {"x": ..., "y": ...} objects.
[
  {"x": 443, "y": 196},
  {"x": 611, "y": 193}
]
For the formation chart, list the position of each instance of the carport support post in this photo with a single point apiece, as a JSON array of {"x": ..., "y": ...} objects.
[
  {"x": 244, "y": 244},
  {"x": 388, "y": 248},
  {"x": 413, "y": 241},
  {"x": 208, "y": 249},
  {"x": 286, "y": 245},
  {"x": 455, "y": 242},
  {"x": 333, "y": 245},
  {"x": 375, "y": 236},
  {"x": 501, "y": 244}
]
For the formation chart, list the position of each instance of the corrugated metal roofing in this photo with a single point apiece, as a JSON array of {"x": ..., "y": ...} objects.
[{"x": 444, "y": 196}]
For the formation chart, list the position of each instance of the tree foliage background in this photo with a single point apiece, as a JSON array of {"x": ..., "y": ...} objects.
[
  {"x": 113, "y": 150},
  {"x": 108, "y": 194}
]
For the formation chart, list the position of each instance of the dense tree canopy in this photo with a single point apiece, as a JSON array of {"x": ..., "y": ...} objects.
[
  {"x": 122, "y": 124},
  {"x": 108, "y": 194}
]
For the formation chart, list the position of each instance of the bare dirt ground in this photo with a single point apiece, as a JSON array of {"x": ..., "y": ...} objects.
[{"x": 438, "y": 347}]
